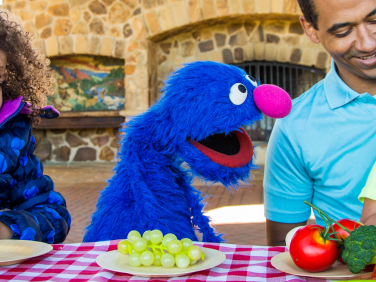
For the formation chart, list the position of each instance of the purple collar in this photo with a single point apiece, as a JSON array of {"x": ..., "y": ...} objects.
[
  {"x": 12, "y": 106},
  {"x": 9, "y": 108}
]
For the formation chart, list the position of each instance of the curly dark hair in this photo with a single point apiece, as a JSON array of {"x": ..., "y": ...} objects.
[
  {"x": 27, "y": 71},
  {"x": 309, "y": 11}
]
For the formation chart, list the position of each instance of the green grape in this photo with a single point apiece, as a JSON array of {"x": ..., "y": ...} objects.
[
  {"x": 167, "y": 260},
  {"x": 139, "y": 245},
  {"x": 194, "y": 252},
  {"x": 193, "y": 262},
  {"x": 167, "y": 238},
  {"x": 123, "y": 247},
  {"x": 146, "y": 235},
  {"x": 147, "y": 258},
  {"x": 157, "y": 259},
  {"x": 133, "y": 235},
  {"x": 134, "y": 260},
  {"x": 182, "y": 260},
  {"x": 155, "y": 236},
  {"x": 174, "y": 246},
  {"x": 186, "y": 243}
]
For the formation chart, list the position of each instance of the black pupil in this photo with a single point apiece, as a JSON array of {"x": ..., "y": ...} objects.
[
  {"x": 251, "y": 78},
  {"x": 242, "y": 88}
]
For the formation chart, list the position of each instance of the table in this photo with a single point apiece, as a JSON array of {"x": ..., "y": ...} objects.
[{"x": 76, "y": 263}]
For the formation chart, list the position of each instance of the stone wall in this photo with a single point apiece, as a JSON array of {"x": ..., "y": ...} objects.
[
  {"x": 155, "y": 37},
  {"x": 270, "y": 40},
  {"x": 130, "y": 28},
  {"x": 78, "y": 145},
  {"x": 62, "y": 27}
]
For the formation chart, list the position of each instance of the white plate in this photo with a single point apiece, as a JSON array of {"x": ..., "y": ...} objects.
[
  {"x": 284, "y": 262},
  {"x": 16, "y": 251},
  {"x": 115, "y": 261}
]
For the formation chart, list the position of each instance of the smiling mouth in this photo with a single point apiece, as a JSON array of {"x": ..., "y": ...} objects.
[
  {"x": 367, "y": 57},
  {"x": 232, "y": 150}
]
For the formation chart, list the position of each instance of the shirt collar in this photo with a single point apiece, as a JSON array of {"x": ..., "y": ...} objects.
[
  {"x": 9, "y": 108},
  {"x": 337, "y": 92}
]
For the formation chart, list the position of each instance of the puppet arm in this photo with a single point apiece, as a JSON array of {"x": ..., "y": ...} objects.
[
  {"x": 141, "y": 196},
  {"x": 198, "y": 218}
]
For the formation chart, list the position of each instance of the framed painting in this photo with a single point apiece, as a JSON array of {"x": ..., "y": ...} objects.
[{"x": 86, "y": 83}]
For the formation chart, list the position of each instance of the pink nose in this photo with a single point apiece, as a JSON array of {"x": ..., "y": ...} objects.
[{"x": 272, "y": 100}]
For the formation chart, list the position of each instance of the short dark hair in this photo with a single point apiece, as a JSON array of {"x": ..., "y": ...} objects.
[{"x": 309, "y": 11}]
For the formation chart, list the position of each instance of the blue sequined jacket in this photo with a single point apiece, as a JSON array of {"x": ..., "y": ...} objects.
[{"x": 28, "y": 203}]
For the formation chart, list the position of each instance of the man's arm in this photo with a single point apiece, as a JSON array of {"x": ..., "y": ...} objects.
[
  {"x": 286, "y": 186},
  {"x": 276, "y": 232},
  {"x": 369, "y": 212}
]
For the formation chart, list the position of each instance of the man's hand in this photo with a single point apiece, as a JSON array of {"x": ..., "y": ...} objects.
[
  {"x": 5, "y": 231},
  {"x": 276, "y": 232}
]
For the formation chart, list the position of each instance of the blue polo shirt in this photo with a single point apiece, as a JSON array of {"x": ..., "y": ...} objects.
[{"x": 322, "y": 152}]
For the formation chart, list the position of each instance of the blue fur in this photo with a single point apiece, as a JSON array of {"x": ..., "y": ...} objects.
[{"x": 151, "y": 189}]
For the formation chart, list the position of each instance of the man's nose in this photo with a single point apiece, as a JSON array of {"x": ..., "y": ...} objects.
[{"x": 366, "y": 41}]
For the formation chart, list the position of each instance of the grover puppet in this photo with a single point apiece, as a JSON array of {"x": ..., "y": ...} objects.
[{"x": 197, "y": 121}]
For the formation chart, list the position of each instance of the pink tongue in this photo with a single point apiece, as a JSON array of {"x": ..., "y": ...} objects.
[{"x": 272, "y": 100}]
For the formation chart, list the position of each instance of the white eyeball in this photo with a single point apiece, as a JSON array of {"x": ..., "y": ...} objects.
[
  {"x": 252, "y": 80},
  {"x": 238, "y": 94}
]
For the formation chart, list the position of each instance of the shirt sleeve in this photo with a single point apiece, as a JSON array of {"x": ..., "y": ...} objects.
[
  {"x": 41, "y": 217},
  {"x": 35, "y": 211},
  {"x": 369, "y": 190},
  {"x": 286, "y": 182}
]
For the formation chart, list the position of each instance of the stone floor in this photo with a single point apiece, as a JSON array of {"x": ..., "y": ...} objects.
[{"x": 80, "y": 184}]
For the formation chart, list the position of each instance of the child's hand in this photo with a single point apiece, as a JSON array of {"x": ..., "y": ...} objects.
[
  {"x": 5, "y": 231},
  {"x": 369, "y": 212}
]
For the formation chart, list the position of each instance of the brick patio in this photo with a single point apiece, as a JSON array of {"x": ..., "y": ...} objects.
[{"x": 80, "y": 185}]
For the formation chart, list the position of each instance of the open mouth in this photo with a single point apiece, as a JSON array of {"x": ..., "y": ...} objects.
[{"x": 231, "y": 150}]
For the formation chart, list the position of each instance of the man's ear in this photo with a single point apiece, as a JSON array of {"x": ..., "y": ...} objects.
[{"x": 309, "y": 30}]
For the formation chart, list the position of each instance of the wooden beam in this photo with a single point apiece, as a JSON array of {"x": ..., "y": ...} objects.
[
  {"x": 91, "y": 114},
  {"x": 121, "y": 113},
  {"x": 80, "y": 122}
]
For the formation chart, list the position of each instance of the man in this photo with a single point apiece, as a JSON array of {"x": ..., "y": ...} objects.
[{"x": 324, "y": 150}]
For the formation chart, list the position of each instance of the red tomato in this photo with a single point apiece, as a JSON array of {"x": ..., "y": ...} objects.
[
  {"x": 370, "y": 268},
  {"x": 309, "y": 252},
  {"x": 347, "y": 223}
]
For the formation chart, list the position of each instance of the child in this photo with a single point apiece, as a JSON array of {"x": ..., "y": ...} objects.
[
  {"x": 368, "y": 197},
  {"x": 29, "y": 207}
]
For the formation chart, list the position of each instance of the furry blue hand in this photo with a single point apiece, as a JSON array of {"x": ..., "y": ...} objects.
[{"x": 197, "y": 121}]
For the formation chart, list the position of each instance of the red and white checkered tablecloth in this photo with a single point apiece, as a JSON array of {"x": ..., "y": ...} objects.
[{"x": 76, "y": 263}]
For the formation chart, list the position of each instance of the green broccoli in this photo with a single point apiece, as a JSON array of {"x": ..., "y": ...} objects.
[{"x": 360, "y": 248}]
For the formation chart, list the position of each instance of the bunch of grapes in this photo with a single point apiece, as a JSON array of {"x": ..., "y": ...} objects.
[{"x": 154, "y": 248}]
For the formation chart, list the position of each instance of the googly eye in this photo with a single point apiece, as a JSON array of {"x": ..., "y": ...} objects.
[
  {"x": 238, "y": 94},
  {"x": 252, "y": 80}
]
